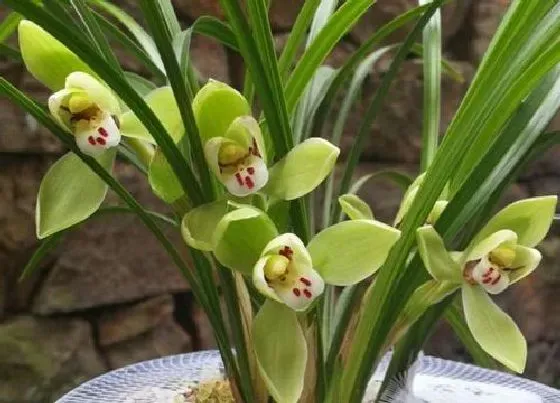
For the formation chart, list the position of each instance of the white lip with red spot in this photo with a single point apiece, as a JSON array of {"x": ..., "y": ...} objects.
[
  {"x": 299, "y": 284},
  {"x": 490, "y": 276},
  {"x": 96, "y": 135},
  {"x": 251, "y": 175}
]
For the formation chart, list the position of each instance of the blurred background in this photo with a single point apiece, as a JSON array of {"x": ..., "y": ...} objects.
[{"x": 109, "y": 296}]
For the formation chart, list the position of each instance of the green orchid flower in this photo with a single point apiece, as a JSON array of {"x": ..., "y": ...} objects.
[
  {"x": 235, "y": 149},
  {"x": 245, "y": 239},
  {"x": 344, "y": 254},
  {"x": 90, "y": 111},
  {"x": 500, "y": 255}
]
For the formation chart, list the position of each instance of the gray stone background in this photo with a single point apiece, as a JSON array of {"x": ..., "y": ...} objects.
[{"x": 109, "y": 296}]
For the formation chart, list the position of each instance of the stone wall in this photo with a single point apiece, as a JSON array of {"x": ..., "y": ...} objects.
[{"x": 109, "y": 296}]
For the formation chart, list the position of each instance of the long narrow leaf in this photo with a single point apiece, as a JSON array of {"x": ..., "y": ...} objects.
[
  {"x": 9, "y": 25},
  {"x": 432, "y": 87},
  {"x": 339, "y": 24},
  {"x": 162, "y": 36}
]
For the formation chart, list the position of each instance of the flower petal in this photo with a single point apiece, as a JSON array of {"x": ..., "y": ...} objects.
[
  {"x": 251, "y": 177},
  {"x": 526, "y": 261},
  {"x": 529, "y": 218},
  {"x": 354, "y": 207},
  {"x": 493, "y": 329},
  {"x": 97, "y": 92},
  {"x": 163, "y": 180},
  {"x": 162, "y": 102},
  {"x": 436, "y": 258},
  {"x": 310, "y": 286},
  {"x": 302, "y": 169},
  {"x": 215, "y": 107},
  {"x": 245, "y": 131},
  {"x": 69, "y": 193},
  {"x": 95, "y": 137},
  {"x": 48, "y": 60},
  {"x": 408, "y": 198},
  {"x": 281, "y": 354},
  {"x": 484, "y": 246},
  {"x": 199, "y": 224},
  {"x": 493, "y": 279},
  {"x": 241, "y": 236},
  {"x": 350, "y": 251},
  {"x": 300, "y": 254}
]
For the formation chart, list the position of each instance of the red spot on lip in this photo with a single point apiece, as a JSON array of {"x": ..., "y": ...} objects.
[
  {"x": 101, "y": 141},
  {"x": 249, "y": 182},
  {"x": 496, "y": 279},
  {"x": 239, "y": 179},
  {"x": 103, "y": 132},
  {"x": 297, "y": 292},
  {"x": 486, "y": 280},
  {"x": 287, "y": 252},
  {"x": 488, "y": 272},
  {"x": 251, "y": 170},
  {"x": 91, "y": 140},
  {"x": 305, "y": 281},
  {"x": 307, "y": 293}
]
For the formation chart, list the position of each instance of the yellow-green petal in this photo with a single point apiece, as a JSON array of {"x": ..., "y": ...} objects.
[
  {"x": 529, "y": 218},
  {"x": 350, "y": 251},
  {"x": 48, "y": 60},
  {"x": 198, "y": 225},
  {"x": 436, "y": 258},
  {"x": 302, "y": 169},
  {"x": 485, "y": 246},
  {"x": 281, "y": 351},
  {"x": 241, "y": 236},
  {"x": 525, "y": 262},
  {"x": 162, "y": 179},
  {"x": 162, "y": 102},
  {"x": 69, "y": 193},
  {"x": 215, "y": 107},
  {"x": 354, "y": 207},
  {"x": 493, "y": 329}
]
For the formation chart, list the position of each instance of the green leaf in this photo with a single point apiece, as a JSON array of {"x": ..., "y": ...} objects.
[
  {"x": 431, "y": 106},
  {"x": 48, "y": 60},
  {"x": 436, "y": 258},
  {"x": 493, "y": 329},
  {"x": 297, "y": 34},
  {"x": 339, "y": 24},
  {"x": 9, "y": 25},
  {"x": 215, "y": 107},
  {"x": 350, "y": 251},
  {"x": 302, "y": 169},
  {"x": 143, "y": 38},
  {"x": 162, "y": 179},
  {"x": 142, "y": 86},
  {"x": 198, "y": 225},
  {"x": 162, "y": 102},
  {"x": 529, "y": 218},
  {"x": 282, "y": 353},
  {"x": 69, "y": 193},
  {"x": 241, "y": 236},
  {"x": 354, "y": 207}
]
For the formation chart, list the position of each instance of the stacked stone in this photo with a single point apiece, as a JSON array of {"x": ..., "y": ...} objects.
[{"x": 109, "y": 296}]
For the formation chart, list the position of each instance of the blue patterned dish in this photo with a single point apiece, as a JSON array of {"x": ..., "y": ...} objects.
[{"x": 437, "y": 380}]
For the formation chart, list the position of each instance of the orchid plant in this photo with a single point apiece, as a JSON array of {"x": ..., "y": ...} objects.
[{"x": 309, "y": 308}]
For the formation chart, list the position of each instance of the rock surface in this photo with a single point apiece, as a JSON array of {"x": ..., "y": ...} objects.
[
  {"x": 109, "y": 260},
  {"x": 40, "y": 359},
  {"x": 165, "y": 339}
]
